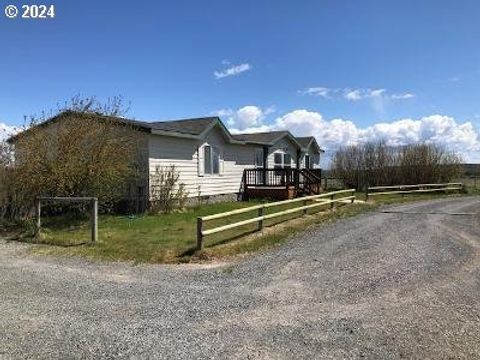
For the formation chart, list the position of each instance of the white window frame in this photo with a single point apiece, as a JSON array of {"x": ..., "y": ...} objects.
[
  {"x": 282, "y": 164},
  {"x": 307, "y": 164},
  {"x": 211, "y": 148},
  {"x": 289, "y": 166},
  {"x": 277, "y": 165}
]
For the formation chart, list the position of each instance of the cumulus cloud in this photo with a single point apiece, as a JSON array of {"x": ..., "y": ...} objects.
[
  {"x": 244, "y": 118},
  {"x": 232, "y": 70},
  {"x": 333, "y": 133},
  {"x": 353, "y": 95},
  {"x": 7, "y": 131}
]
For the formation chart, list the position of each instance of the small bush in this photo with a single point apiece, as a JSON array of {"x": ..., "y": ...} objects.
[{"x": 167, "y": 193}]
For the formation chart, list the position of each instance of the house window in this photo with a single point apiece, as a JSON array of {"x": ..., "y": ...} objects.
[
  {"x": 287, "y": 161},
  {"x": 259, "y": 158},
  {"x": 212, "y": 160},
  {"x": 281, "y": 161},
  {"x": 307, "y": 161},
  {"x": 278, "y": 161}
]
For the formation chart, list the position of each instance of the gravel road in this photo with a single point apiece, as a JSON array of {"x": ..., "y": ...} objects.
[{"x": 403, "y": 282}]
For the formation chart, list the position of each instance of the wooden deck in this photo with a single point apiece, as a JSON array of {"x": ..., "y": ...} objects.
[{"x": 280, "y": 183}]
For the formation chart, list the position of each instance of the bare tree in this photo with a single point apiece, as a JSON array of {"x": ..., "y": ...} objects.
[
  {"x": 81, "y": 151},
  {"x": 374, "y": 164}
]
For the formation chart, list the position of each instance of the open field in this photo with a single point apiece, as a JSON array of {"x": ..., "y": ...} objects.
[{"x": 398, "y": 282}]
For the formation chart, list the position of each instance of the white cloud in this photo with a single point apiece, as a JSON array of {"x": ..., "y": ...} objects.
[
  {"x": 232, "y": 70},
  {"x": 317, "y": 91},
  {"x": 378, "y": 98},
  {"x": 361, "y": 94},
  {"x": 244, "y": 118},
  {"x": 331, "y": 134},
  {"x": 403, "y": 96},
  {"x": 7, "y": 131},
  {"x": 355, "y": 94}
]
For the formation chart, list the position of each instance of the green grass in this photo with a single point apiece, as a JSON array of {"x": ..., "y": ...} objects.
[
  {"x": 150, "y": 238},
  {"x": 171, "y": 238}
]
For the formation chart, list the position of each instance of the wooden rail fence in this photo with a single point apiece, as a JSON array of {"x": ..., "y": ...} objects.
[
  {"x": 319, "y": 200},
  {"x": 411, "y": 189},
  {"x": 94, "y": 211}
]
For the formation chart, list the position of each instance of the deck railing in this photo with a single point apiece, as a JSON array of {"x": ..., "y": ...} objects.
[{"x": 282, "y": 178}]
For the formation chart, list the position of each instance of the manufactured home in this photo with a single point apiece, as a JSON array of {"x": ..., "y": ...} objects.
[{"x": 216, "y": 164}]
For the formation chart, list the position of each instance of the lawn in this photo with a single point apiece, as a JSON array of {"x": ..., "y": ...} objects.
[
  {"x": 171, "y": 238},
  {"x": 146, "y": 238}
]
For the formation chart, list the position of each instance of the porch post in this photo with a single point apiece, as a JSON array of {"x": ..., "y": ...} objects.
[
  {"x": 265, "y": 164},
  {"x": 299, "y": 154}
]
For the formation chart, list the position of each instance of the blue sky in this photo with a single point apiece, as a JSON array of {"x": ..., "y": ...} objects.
[{"x": 335, "y": 69}]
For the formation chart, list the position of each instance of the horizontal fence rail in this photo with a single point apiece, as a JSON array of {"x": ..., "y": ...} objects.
[
  {"x": 412, "y": 189},
  {"x": 94, "y": 210},
  {"x": 319, "y": 200}
]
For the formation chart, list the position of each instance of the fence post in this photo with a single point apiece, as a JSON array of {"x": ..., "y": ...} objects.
[
  {"x": 38, "y": 214},
  {"x": 199, "y": 233},
  {"x": 260, "y": 222},
  {"x": 94, "y": 220},
  {"x": 353, "y": 194},
  {"x": 332, "y": 204},
  {"x": 304, "y": 211}
]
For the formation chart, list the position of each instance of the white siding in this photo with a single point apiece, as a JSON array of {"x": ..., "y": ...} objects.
[
  {"x": 314, "y": 158},
  {"x": 183, "y": 153},
  {"x": 283, "y": 146}
]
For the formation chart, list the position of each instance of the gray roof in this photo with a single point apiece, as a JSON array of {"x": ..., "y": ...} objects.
[
  {"x": 187, "y": 126},
  {"x": 193, "y": 127},
  {"x": 263, "y": 138},
  {"x": 305, "y": 141}
]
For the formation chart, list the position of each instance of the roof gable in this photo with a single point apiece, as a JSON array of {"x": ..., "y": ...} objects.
[
  {"x": 195, "y": 126},
  {"x": 308, "y": 141}
]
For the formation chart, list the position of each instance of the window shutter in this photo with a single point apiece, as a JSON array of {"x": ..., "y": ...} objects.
[
  {"x": 221, "y": 161},
  {"x": 201, "y": 161}
]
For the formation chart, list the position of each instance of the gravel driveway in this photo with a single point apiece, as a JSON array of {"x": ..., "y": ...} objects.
[{"x": 404, "y": 283}]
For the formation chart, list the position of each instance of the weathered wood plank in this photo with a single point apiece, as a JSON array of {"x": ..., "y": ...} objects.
[
  {"x": 276, "y": 203},
  {"x": 412, "y": 186},
  {"x": 413, "y": 191},
  {"x": 271, "y": 216}
]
